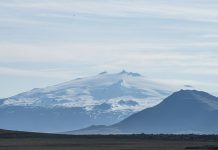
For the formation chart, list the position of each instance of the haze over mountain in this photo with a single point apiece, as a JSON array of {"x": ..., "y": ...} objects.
[
  {"x": 101, "y": 99},
  {"x": 185, "y": 111}
]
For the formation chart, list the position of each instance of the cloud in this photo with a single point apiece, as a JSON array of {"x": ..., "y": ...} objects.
[
  {"x": 91, "y": 58},
  {"x": 50, "y": 73},
  {"x": 65, "y": 51},
  {"x": 112, "y": 54},
  {"x": 188, "y": 10},
  {"x": 85, "y": 52},
  {"x": 196, "y": 84}
]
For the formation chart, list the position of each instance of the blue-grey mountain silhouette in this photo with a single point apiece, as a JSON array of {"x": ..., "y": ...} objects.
[{"x": 186, "y": 111}]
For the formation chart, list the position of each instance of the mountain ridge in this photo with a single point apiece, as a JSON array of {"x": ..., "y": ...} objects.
[{"x": 102, "y": 99}]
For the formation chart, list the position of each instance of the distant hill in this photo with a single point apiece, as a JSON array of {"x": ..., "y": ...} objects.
[{"x": 186, "y": 111}]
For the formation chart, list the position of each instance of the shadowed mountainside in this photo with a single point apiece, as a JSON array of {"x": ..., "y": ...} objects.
[{"x": 185, "y": 111}]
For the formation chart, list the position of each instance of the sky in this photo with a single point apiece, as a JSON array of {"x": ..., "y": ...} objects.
[{"x": 45, "y": 42}]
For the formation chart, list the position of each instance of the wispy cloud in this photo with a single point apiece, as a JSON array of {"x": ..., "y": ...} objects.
[
  {"x": 162, "y": 39},
  {"x": 52, "y": 52},
  {"x": 114, "y": 57},
  {"x": 49, "y": 73},
  {"x": 189, "y": 10}
]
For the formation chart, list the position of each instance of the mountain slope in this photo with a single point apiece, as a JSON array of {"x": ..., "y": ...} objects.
[
  {"x": 101, "y": 99},
  {"x": 186, "y": 111}
]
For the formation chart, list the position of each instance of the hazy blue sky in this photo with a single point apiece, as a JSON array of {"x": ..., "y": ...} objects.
[{"x": 44, "y": 42}]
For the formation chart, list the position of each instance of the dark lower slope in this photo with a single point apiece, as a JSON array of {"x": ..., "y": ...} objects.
[{"x": 40, "y": 119}]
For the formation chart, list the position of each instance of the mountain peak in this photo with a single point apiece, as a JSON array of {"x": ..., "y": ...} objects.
[
  {"x": 183, "y": 91},
  {"x": 192, "y": 98},
  {"x": 102, "y": 73},
  {"x": 193, "y": 92},
  {"x": 124, "y": 72}
]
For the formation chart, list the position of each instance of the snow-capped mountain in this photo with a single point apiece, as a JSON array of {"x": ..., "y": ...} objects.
[
  {"x": 101, "y": 99},
  {"x": 120, "y": 91}
]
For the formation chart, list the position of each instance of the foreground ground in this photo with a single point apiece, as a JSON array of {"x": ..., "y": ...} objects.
[{"x": 33, "y": 141}]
